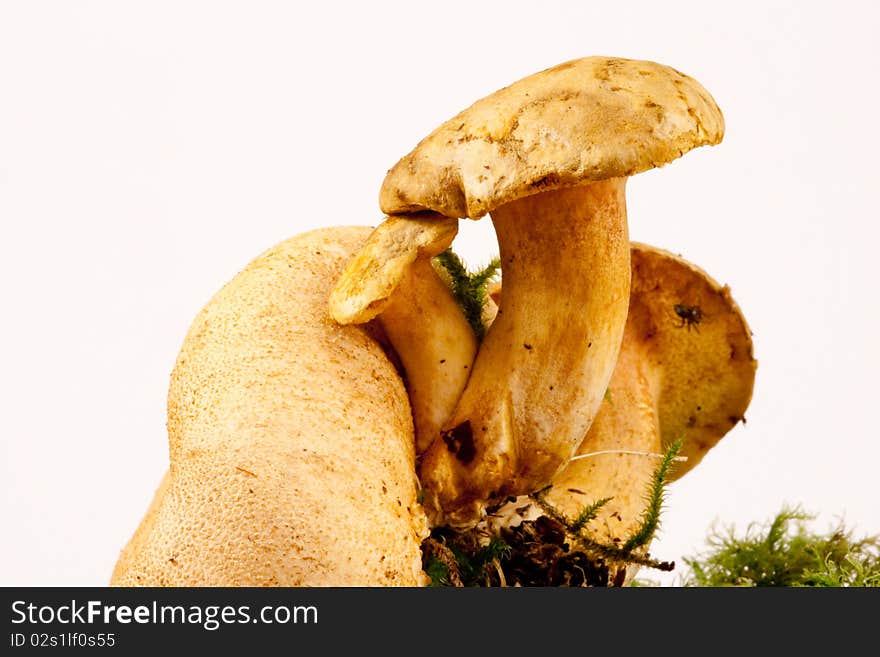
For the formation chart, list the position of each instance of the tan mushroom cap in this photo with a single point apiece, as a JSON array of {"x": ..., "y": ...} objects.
[
  {"x": 706, "y": 368},
  {"x": 582, "y": 121},
  {"x": 368, "y": 282}
]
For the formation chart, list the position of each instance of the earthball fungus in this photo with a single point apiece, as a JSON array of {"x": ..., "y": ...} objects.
[{"x": 291, "y": 444}]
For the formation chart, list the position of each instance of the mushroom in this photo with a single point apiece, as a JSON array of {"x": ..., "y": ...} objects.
[
  {"x": 673, "y": 380},
  {"x": 392, "y": 278},
  {"x": 548, "y": 158},
  {"x": 291, "y": 446}
]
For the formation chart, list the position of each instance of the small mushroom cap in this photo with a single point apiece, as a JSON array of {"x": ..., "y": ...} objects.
[
  {"x": 579, "y": 122},
  {"x": 696, "y": 337},
  {"x": 365, "y": 286}
]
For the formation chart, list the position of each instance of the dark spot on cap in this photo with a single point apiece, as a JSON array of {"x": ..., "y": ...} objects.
[
  {"x": 460, "y": 441},
  {"x": 692, "y": 420},
  {"x": 527, "y": 346}
]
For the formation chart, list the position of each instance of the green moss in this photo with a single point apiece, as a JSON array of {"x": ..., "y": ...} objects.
[
  {"x": 654, "y": 498},
  {"x": 786, "y": 551},
  {"x": 588, "y": 513},
  {"x": 438, "y": 572},
  {"x": 469, "y": 288}
]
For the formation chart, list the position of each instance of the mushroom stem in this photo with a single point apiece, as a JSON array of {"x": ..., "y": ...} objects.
[
  {"x": 625, "y": 431},
  {"x": 626, "y": 427},
  {"x": 545, "y": 362},
  {"x": 392, "y": 278},
  {"x": 435, "y": 344}
]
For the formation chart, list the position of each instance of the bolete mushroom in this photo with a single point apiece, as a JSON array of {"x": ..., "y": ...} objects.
[
  {"x": 686, "y": 371},
  {"x": 291, "y": 446},
  {"x": 548, "y": 158},
  {"x": 393, "y": 280}
]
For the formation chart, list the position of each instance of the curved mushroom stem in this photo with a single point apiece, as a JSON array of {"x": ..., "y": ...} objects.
[
  {"x": 615, "y": 462},
  {"x": 392, "y": 277},
  {"x": 435, "y": 343},
  {"x": 545, "y": 362}
]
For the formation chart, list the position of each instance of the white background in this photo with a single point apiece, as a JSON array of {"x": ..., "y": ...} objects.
[{"x": 149, "y": 150}]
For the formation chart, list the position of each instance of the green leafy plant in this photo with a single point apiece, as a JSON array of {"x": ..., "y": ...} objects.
[
  {"x": 469, "y": 288},
  {"x": 786, "y": 551}
]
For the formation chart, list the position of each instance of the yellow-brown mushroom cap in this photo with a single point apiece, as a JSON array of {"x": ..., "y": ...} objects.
[
  {"x": 697, "y": 339},
  {"x": 582, "y": 121}
]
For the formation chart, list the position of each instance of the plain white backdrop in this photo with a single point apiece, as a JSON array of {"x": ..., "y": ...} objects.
[{"x": 149, "y": 150}]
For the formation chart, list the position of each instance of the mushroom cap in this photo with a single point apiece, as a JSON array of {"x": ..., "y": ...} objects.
[
  {"x": 706, "y": 366},
  {"x": 582, "y": 121},
  {"x": 364, "y": 288}
]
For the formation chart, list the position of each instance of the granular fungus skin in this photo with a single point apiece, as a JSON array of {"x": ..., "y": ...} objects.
[{"x": 291, "y": 441}]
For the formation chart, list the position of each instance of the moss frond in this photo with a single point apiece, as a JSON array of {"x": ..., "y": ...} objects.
[
  {"x": 438, "y": 572},
  {"x": 655, "y": 497},
  {"x": 588, "y": 513},
  {"x": 470, "y": 289},
  {"x": 590, "y": 544},
  {"x": 786, "y": 552}
]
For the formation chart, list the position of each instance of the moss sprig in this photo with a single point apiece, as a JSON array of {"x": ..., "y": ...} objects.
[
  {"x": 786, "y": 551},
  {"x": 590, "y": 544},
  {"x": 588, "y": 513},
  {"x": 655, "y": 497},
  {"x": 470, "y": 289}
]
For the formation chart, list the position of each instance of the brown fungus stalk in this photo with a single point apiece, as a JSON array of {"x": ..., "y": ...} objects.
[
  {"x": 392, "y": 278},
  {"x": 548, "y": 157},
  {"x": 670, "y": 383}
]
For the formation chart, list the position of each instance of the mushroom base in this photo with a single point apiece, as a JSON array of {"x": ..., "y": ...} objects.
[{"x": 539, "y": 552}]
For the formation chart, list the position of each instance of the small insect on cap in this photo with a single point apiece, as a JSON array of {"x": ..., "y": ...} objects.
[
  {"x": 706, "y": 358},
  {"x": 582, "y": 121}
]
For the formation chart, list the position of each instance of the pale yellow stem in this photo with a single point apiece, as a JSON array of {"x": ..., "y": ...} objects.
[
  {"x": 435, "y": 343},
  {"x": 545, "y": 362}
]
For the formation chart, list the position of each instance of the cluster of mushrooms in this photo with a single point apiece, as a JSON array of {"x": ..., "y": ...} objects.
[{"x": 332, "y": 406}]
